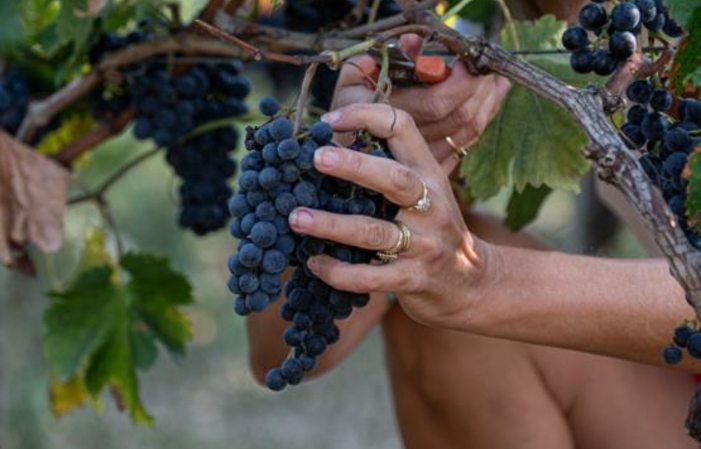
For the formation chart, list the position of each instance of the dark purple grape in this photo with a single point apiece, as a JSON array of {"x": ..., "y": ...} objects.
[
  {"x": 604, "y": 63},
  {"x": 592, "y": 17},
  {"x": 622, "y": 45},
  {"x": 639, "y": 91},
  {"x": 582, "y": 61},
  {"x": 625, "y": 16},
  {"x": 575, "y": 38},
  {"x": 661, "y": 100}
]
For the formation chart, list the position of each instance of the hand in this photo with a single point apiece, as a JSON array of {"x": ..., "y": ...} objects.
[
  {"x": 443, "y": 264},
  {"x": 461, "y": 107}
]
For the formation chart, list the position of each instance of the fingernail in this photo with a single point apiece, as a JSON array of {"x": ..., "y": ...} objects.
[
  {"x": 331, "y": 117},
  {"x": 325, "y": 157},
  {"x": 313, "y": 263},
  {"x": 301, "y": 218}
]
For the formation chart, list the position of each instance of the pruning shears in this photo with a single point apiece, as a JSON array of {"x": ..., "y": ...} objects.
[{"x": 405, "y": 71}]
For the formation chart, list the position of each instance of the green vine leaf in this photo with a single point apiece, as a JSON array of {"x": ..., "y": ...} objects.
[
  {"x": 682, "y": 10},
  {"x": 532, "y": 142},
  {"x": 524, "y": 206},
  {"x": 687, "y": 60},
  {"x": 102, "y": 329}
]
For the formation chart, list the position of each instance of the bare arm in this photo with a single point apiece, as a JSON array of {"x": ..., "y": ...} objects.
[{"x": 620, "y": 308}]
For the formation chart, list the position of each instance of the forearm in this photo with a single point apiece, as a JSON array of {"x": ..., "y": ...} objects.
[{"x": 621, "y": 308}]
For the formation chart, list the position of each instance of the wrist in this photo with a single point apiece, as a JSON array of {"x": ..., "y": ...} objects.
[{"x": 483, "y": 292}]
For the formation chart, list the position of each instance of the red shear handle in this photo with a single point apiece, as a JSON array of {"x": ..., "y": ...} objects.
[{"x": 431, "y": 69}]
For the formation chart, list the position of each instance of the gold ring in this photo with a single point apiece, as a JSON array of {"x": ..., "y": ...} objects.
[
  {"x": 461, "y": 151},
  {"x": 424, "y": 203},
  {"x": 403, "y": 244}
]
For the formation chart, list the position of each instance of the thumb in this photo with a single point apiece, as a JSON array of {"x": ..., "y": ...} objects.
[
  {"x": 411, "y": 44},
  {"x": 359, "y": 70}
]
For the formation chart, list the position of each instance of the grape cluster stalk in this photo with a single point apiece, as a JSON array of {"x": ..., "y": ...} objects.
[{"x": 277, "y": 176}]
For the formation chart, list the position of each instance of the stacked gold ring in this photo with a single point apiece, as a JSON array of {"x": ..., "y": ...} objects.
[{"x": 403, "y": 244}]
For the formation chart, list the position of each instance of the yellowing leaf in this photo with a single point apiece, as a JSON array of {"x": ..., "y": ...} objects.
[
  {"x": 95, "y": 252},
  {"x": 67, "y": 396},
  {"x": 71, "y": 128},
  {"x": 103, "y": 331},
  {"x": 33, "y": 193}
]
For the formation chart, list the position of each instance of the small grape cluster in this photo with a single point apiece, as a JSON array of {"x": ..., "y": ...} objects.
[
  {"x": 278, "y": 175},
  {"x": 604, "y": 38},
  {"x": 171, "y": 103},
  {"x": 686, "y": 336},
  {"x": 667, "y": 143},
  {"x": 14, "y": 99}
]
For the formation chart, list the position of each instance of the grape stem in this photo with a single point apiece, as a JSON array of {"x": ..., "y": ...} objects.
[
  {"x": 303, "y": 94},
  {"x": 97, "y": 194}
]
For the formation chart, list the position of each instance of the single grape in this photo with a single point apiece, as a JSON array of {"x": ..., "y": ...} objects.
[
  {"x": 682, "y": 334},
  {"x": 582, "y": 61},
  {"x": 625, "y": 16},
  {"x": 693, "y": 345},
  {"x": 672, "y": 355},
  {"x": 575, "y": 38},
  {"x": 275, "y": 380},
  {"x": 622, "y": 45},
  {"x": 661, "y": 100},
  {"x": 269, "y": 106},
  {"x": 592, "y": 17},
  {"x": 639, "y": 91}
]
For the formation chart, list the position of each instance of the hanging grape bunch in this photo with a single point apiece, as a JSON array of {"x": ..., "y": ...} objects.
[
  {"x": 608, "y": 35},
  {"x": 170, "y": 104},
  {"x": 277, "y": 176},
  {"x": 665, "y": 140}
]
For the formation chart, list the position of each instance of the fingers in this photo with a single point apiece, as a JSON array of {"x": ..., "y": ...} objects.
[
  {"x": 354, "y": 230},
  {"x": 385, "y": 122},
  {"x": 396, "y": 182},
  {"x": 429, "y": 104},
  {"x": 361, "y": 278},
  {"x": 354, "y": 83}
]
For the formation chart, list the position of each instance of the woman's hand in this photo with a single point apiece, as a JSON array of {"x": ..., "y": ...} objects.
[
  {"x": 460, "y": 107},
  {"x": 444, "y": 265}
]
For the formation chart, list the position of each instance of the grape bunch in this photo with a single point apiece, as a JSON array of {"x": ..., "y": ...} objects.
[
  {"x": 667, "y": 143},
  {"x": 314, "y": 15},
  {"x": 277, "y": 176},
  {"x": 686, "y": 336},
  {"x": 172, "y": 103},
  {"x": 169, "y": 108},
  {"x": 14, "y": 99},
  {"x": 111, "y": 99},
  {"x": 606, "y": 37}
]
